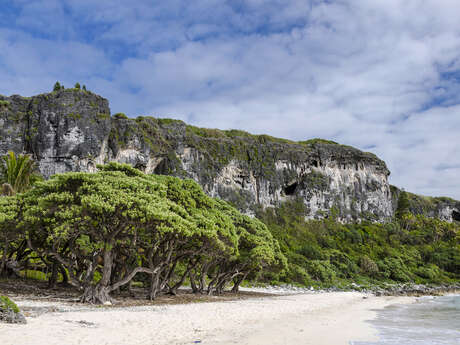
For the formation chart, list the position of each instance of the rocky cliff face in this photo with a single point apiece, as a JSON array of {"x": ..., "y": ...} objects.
[
  {"x": 64, "y": 131},
  {"x": 72, "y": 130},
  {"x": 441, "y": 207}
]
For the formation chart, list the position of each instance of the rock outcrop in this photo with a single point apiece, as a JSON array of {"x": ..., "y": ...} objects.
[
  {"x": 9, "y": 312},
  {"x": 72, "y": 130},
  {"x": 64, "y": 131},
  {"x": 436, "y": 207}
]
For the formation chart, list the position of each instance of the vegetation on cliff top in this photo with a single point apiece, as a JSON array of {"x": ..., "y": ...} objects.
[
  {"x": 425, "y": 205},
  {"x": 213, "y": 133},
  {"x": 163, "y": 138}
]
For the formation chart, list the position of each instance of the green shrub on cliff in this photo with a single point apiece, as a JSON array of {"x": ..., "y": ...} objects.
[
  {"x": 121, "y": 116},
  {"x": 57, "y": 86},
  {"x": 403, "y": 205}
]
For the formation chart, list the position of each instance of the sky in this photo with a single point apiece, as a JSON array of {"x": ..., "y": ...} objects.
[{"x": 380, "y": 75}]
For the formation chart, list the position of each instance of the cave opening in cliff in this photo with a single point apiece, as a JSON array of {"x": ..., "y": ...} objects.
[
  {"x": 290, "y": 190},
  {"x": 140, "y": 166},
  {"x": 456, "y": 216}
]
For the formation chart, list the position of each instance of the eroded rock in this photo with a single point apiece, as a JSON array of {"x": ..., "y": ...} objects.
[{"x": 71, "y": 130}]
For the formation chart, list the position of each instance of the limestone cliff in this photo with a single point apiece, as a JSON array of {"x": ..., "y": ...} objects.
[
  {"x": 72, "y": 130},
  {"x": 441, "y": 207},
  {"x": 64, "y": 131}
]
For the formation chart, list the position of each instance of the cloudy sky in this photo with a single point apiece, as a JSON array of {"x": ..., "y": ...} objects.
[{"x": 381, "y": 75}]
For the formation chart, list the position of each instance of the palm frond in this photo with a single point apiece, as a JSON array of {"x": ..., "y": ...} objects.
[{"x": 18, "y": 172}]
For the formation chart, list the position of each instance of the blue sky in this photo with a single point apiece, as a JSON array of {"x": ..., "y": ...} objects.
[{"x": 381, "y": 75}]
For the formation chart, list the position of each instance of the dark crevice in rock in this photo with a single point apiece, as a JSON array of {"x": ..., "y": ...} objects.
[
  {"x": 141, "y": 166},
  {"x": 456, "y": 215},
  {"x": 162, "y": 167},
  {"x": 290, "y": 190}
]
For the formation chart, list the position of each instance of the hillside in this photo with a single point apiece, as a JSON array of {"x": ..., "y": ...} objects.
[{"x": 73, "y": 130}]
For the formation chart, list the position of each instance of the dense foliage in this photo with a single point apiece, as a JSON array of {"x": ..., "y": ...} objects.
[
  {"x": 102, "y": 230},
  {"x": 325, "y": 252}
]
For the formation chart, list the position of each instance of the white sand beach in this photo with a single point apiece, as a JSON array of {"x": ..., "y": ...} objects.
[{"x": 318, "y": 318}]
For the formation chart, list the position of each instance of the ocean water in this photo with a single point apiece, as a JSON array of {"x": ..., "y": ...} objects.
[{"x": 431, "y": 320}]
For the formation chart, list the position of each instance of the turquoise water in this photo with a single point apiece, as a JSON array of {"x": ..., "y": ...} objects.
[{"x": 431, "y": 320}]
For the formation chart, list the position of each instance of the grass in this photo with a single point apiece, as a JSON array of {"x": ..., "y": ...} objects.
[
  {"x": 37, "y": 275},
  {"x": 317, "y": 141}
]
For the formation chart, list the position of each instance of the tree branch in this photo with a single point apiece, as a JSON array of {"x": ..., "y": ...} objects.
[{"x": 130, "y": 276}]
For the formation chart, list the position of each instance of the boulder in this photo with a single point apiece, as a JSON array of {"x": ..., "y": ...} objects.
[{"x": 9, "y": 312}]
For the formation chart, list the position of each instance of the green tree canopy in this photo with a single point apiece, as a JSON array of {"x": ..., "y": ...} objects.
[
  {"x": 107, "y": 227},
  {"x": 8, "y": 233},
  {"x": 57, "y": 86},
  {"x": 403, "y": 205}
]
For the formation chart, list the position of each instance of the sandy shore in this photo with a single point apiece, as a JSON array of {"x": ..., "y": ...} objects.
[{"x": 326, "y": 318}]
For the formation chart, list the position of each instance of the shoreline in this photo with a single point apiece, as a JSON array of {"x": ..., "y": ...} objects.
[
  {"x": 408, "y": 289},
  {"x": 317, "y": 318},
  {"x": 338, "y": 321}
]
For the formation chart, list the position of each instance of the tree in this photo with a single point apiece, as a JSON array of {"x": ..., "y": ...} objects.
[
  {"x": 107, "y": 227},
  {"x": 8, "y": 233},
  {"x": 257, "y": 250},
  {"x": 115, "y": 224},
  {"x": 209, "y": 233},
  {"x": 84, "y": 221},
  {"x": 403, "y": 205},
  {"x": 17, "y": 173},
  {"x": 77, "y": 86},
  {"x": 57, "y": 86},
  {"x": 84, "y": 87}
]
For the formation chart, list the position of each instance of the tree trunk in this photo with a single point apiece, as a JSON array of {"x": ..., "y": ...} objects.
[
  {"x": 65, "y": 277},
  {"x": 213, "y": 282},
  {"x": 3, "y": 271},
  {"x": 154, "y": 285},
  {"x": 53, "y": 278},
  {"x": 107, "y": 268},
  {"x": 96, "y": 295},
  {"x": 192, "y": 282},
  {"x": 100, "y": 294},
  {"x": 204, "y": 272},
  {"x": 237, "y": 281},
  {"x": 12, "y": 267},
  {"x": 130, "y": 289},
  {"x": 175, "y": 287},
  {"x": 210, "y": 289},
  {"x": 220, "y": 286}
]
